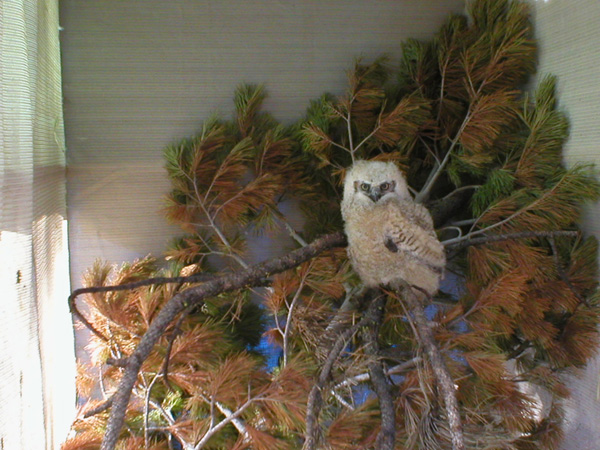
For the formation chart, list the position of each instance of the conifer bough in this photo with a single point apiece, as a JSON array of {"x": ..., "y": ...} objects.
[{"x": 191, "y": 297}]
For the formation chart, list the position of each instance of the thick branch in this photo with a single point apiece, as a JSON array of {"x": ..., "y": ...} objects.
[
  {"x": 381, "y": 386},
  {"x": 194, "y": 296},
  {"x": 315, "y": 397},
  {"x": 440, "y": 371}
]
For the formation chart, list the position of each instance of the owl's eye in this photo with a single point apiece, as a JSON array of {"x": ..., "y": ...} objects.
[
  {"x": 384, "y": 187},
  {"x": 364, "y": 187}
]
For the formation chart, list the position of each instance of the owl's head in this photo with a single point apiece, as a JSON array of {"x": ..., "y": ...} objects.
[{"x": 374, "y": 181}]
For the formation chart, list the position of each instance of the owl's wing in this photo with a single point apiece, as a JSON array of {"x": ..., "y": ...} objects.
[
  {"x": 404, "y": 232},
  {"x": 422, "y": 217}
]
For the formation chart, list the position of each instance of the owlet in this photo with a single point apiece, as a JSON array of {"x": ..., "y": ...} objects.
[{"x": 390, "y": 237}]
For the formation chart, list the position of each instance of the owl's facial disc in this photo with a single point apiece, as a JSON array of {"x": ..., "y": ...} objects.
[{"x": 374, "y": 192}]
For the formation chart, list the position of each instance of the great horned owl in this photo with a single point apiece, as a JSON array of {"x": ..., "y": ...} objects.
[{"x": 390, "y": 237}]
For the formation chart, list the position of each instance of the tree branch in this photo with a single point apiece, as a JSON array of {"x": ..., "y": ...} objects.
[
  {"x": 213, "y": 285},
  {"x": 315, "y": 398},
  {"x": 228, "y": 419},
  {"x": 197, "y": 278},
  {"x": 387, "y": 436},
  {"x": 288, "y": 321},
  {"x": 443, "y": 378},
  {"x": 195, "y": 296},
  {"x": 466, "y": 241},
  {"x": 98, "y": 409}
]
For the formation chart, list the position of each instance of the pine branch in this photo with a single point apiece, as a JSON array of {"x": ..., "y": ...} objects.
[
  {"x": 147, "y": 400},
  {"x": 98, "y": 409},
  {"x": 176, "y": 332},
  {"x": 315, "y": 398},
  {"x": 440, "y": 370},
  {"x": 195, "y": 296},
  {"x": 387, "y": 435},
  {"x": 466, "y": 241},
  {"x": 197, "y": 278},
  {"x": 288, "y": 321},
  {"x": 360, "y": 378},
  {"x": 425, "y": 192},
  {"x": 561, "y": 272},
  {"x": 228, "y": 419},
  {"x": 236, "y": 422}
]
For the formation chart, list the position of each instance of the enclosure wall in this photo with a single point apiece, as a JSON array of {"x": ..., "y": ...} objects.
[{"x": 569, "y": 38}]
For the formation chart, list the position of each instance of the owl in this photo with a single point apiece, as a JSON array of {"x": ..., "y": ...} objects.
[{"x": 390, "y": 237}]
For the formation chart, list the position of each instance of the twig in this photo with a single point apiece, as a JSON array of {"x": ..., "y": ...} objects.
[
  {"x": 147, "y": 409},
  {"x": 195, "y": 296},
  {"x": 360, "y": 378},
  {"x": 348, "y": 305},
  {"x": 563, "y": 276},
  {"x": 211, "y": 219},
  {"x": 372, "y": 133},
  {"x": 234, "y": 415},
  {"x": 288, "y": 321},
  {"x": 237, "y": 423},
  {"x": 522, "y": 210},
  {"x": 466, "y": 241},
  {"x": 98, "y": 409},
  {"x": 293, "y": 233},
  {"x": 348, "y": 121},
  {"x": 342, "y": 401},
  {"x": 197, "y": 278},
  {"x": 423, "y": 196},
  {"x": 176, "y": 332}
]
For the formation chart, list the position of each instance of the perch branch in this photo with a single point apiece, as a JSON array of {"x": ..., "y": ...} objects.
[
  {"x": 195, "y": 296},
  {"x": 443, "y": 378},
  {"x": 387, "y": 435}
]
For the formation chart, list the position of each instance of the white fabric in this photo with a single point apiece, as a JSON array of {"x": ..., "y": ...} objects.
[{"x": 37, "y": 368}]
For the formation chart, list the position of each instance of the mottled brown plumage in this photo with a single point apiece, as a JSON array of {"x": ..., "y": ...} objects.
[{"x": 390, "y": 237}]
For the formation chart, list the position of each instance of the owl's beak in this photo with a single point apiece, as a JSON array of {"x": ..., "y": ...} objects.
[{"x": 374, "y": 194}]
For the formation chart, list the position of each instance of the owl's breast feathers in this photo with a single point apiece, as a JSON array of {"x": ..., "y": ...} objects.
[{"x": 392, "y": 241}]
